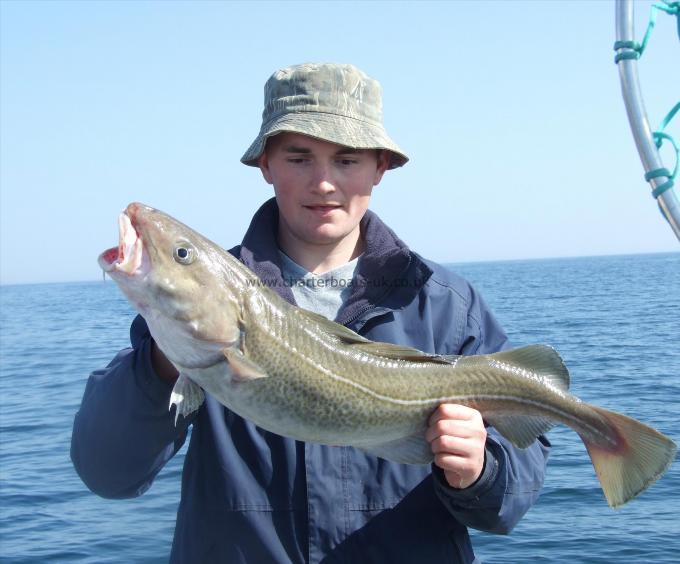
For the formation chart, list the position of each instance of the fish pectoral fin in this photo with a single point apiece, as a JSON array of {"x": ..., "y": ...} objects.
[
  {"x": 542, "y": 359},
  {"x": 186, "y": 396},
  {"x": 413, "y": 449},
  {"x": 242, "y": 369},
  {"x": 520, "y": 430}
]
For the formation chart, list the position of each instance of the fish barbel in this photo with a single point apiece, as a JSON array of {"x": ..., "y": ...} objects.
[{"x": 297, "y": 374}]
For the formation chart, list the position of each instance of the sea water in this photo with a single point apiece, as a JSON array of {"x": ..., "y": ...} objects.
[{"x": 615, "y": 320}]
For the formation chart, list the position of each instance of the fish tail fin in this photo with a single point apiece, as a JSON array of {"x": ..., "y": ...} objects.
[{"x": 639, "y": 458}]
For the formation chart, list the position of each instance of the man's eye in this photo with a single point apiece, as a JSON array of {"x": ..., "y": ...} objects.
[
  {"x": 296, "y": 160},
  {"x": 347, "y": 162}
]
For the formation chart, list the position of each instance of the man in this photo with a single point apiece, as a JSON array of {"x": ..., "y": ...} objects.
[{"x": 252, "y": 496}]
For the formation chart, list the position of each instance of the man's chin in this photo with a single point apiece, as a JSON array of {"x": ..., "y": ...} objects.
[{"x": 327, "y": 235}]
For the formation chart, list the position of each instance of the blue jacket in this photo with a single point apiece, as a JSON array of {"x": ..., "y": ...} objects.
[{"x": 250, "y": 496}]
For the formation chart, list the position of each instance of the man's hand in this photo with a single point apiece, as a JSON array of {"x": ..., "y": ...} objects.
[{"x": 457, "y": 437}]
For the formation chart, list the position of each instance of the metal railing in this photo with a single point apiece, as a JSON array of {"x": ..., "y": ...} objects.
[{"x": 647, "y": 141}]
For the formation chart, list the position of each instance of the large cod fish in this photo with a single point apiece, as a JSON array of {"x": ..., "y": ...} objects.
[{"x": 297, "y": 374}]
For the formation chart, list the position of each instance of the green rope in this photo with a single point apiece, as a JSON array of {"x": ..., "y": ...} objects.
[
  {"x": 634, "y": 49},
  {"x": 656, "y": 173},
  {"x": 673, "y": 8},
  {"x": 668, "y": 118},
  {"x": 659, "y": 137}
]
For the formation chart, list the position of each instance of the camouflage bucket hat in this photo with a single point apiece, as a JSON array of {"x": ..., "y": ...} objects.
[{"x": 332, "y": 102}]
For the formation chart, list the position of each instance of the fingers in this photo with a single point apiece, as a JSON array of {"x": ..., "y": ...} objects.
[
  {"x": 455, "y": 428},
  {"x": 454, "y": 411},
  {"x": 455, "y": 421},
  {"x": 457, "y": 437},
  {"x": 452, "y": 444}
]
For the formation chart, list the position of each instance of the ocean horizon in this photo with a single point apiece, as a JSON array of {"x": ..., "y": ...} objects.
[{"x": 445, "y": 263}]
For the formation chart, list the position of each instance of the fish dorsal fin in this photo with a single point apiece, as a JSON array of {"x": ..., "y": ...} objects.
[
  {"x": 397, "y": 352},
  {"x": 341, "y": 332},
  {"x": 542, "y": 359},
  {"x": 362, "y": 344}
]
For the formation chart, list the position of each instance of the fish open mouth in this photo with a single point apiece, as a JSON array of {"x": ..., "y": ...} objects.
[{"x": 127, "y": 256}]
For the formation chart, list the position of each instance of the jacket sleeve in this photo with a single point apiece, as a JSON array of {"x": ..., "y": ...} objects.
[
  {"x": 123, "y": 433},
  {"x": 512, "y": 477}
]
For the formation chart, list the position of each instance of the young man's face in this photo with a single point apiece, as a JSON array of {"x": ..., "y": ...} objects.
[{"x": 322, "y": 189}]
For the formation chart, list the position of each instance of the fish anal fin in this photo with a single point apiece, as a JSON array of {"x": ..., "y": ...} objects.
[
  {"x": 520, "y": 430},
  {"x": 186, "y": 396},
  {"x": 242, "y": 369},
  {"x": 413, "y": 449}
]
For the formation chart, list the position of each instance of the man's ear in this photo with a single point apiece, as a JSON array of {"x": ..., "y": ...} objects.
[
  {"x": 263, "y": 163},
  {"x": 383, "y": 163}
]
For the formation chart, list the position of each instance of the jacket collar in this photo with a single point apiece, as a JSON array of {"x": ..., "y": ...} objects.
[{"x": 389, "y": 273}]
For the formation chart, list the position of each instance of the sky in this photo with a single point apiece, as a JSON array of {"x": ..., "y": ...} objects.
[{"x": 511, "y": 113}]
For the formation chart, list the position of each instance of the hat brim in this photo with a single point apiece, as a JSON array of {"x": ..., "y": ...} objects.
[{"x": 334, "y": 128}]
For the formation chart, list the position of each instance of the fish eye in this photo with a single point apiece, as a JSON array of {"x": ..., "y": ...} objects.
[{"x": 184, "y": 253}]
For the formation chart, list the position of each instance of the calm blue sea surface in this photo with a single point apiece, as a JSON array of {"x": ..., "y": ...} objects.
[{"x": 615, "y": 320}]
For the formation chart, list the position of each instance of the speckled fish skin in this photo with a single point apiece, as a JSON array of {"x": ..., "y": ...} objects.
[{"x": 297, "y": 374}]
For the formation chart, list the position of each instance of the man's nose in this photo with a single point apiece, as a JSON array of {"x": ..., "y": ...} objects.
[{"x": 324, "y": 183}]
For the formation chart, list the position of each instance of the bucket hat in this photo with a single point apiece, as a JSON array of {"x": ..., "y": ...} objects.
[{"x": 333, "y": 102}]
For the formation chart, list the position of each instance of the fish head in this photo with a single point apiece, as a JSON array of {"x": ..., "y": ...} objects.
[{"x": 179, "y": 281}]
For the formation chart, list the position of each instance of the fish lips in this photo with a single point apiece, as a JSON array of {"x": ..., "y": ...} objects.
[{"x": 128, "y": 256}]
